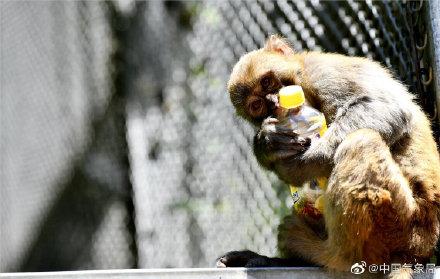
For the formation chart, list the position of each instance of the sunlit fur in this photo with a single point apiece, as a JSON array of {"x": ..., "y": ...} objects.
[{"x": 383, "y": 198}]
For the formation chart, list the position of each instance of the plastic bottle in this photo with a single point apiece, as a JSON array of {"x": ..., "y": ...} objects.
[
  {"x": 306, "y": 122},
  {"x": 302, "y": 119}
]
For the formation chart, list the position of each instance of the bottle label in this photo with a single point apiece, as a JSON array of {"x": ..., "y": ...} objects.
[
  {"x": 295, "y": 194},
  {"x": 319, "y": 124},
  {"x": 304, "y": 206},
  {"x": 323, "y": 126}
]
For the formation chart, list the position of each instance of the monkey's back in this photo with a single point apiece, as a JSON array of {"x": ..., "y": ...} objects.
[
  {"x": 334, "y": 80},
  {"x": 419, "y": 161}
]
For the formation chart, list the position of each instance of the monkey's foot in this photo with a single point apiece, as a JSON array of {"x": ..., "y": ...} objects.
[
  {"x": 242, "y": 259},
  {"x": 248, "y": 258}
]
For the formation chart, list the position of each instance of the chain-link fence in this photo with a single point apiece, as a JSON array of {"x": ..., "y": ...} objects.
[
  {"x": 60, "y": 149},
  {"x": 119, "y": 145}
]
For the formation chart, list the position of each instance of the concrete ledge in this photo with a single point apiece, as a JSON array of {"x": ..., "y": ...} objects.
[{"x": 201, "y": 273}]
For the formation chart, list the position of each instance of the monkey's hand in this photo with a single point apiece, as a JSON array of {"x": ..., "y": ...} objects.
[
  {"x": 274, "y": 143},
  {"x": 293, "y": 158}
]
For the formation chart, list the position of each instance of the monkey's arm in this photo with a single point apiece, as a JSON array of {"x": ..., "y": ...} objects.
[
  {"x": 387, "y": 117},
  {"x": 295, "y": 161}
]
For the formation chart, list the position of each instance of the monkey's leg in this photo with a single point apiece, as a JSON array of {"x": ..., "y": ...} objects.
[{"x": 367, "y": 203}]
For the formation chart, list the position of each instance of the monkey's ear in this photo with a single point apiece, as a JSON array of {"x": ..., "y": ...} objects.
[{"x": 278, "y": 44}]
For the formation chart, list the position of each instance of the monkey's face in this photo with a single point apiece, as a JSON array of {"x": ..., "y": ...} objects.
[
  {"x": 258, "y": 76},
  {"x": 254, "y": 83}
]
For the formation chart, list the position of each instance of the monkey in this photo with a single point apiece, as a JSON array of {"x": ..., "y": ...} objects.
[{"x": 382, "y": 201}]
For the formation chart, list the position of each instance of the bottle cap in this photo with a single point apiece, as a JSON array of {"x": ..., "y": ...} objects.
[{"x": 291, "y": 96}]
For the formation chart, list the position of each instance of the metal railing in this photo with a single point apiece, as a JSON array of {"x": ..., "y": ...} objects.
[{"x": 207, "y": 273}]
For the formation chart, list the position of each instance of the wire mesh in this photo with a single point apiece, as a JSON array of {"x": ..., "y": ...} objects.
[
  {"x": 216, "y": 193},
  {"x": 80, "y": 144},
  {"x": 55, "y": 81}
]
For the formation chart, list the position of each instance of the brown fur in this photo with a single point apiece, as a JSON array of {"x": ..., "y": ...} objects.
[{"x": 383, "y": 198}]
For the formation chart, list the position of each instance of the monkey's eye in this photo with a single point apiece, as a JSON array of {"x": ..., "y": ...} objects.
[
  {"x": 257, "y": 107},
  {"x": 265, "y": 82}
]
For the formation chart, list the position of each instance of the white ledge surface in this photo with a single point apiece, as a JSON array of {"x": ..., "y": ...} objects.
[{"x": 200, "y": 273}]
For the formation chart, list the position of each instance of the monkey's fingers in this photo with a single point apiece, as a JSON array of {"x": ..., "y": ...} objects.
[
  {"x": 274, "y": 99},
  {"x": 270, "y": 121},
  {"x": 288, "y": 137},
  {"x": 279, "y": 142},
  {"x": 236, "y": 259},
  {"x": 281, "y": 155},
  {"x": 284, "y": 131},
  {"x": 280, "y": 149}
]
